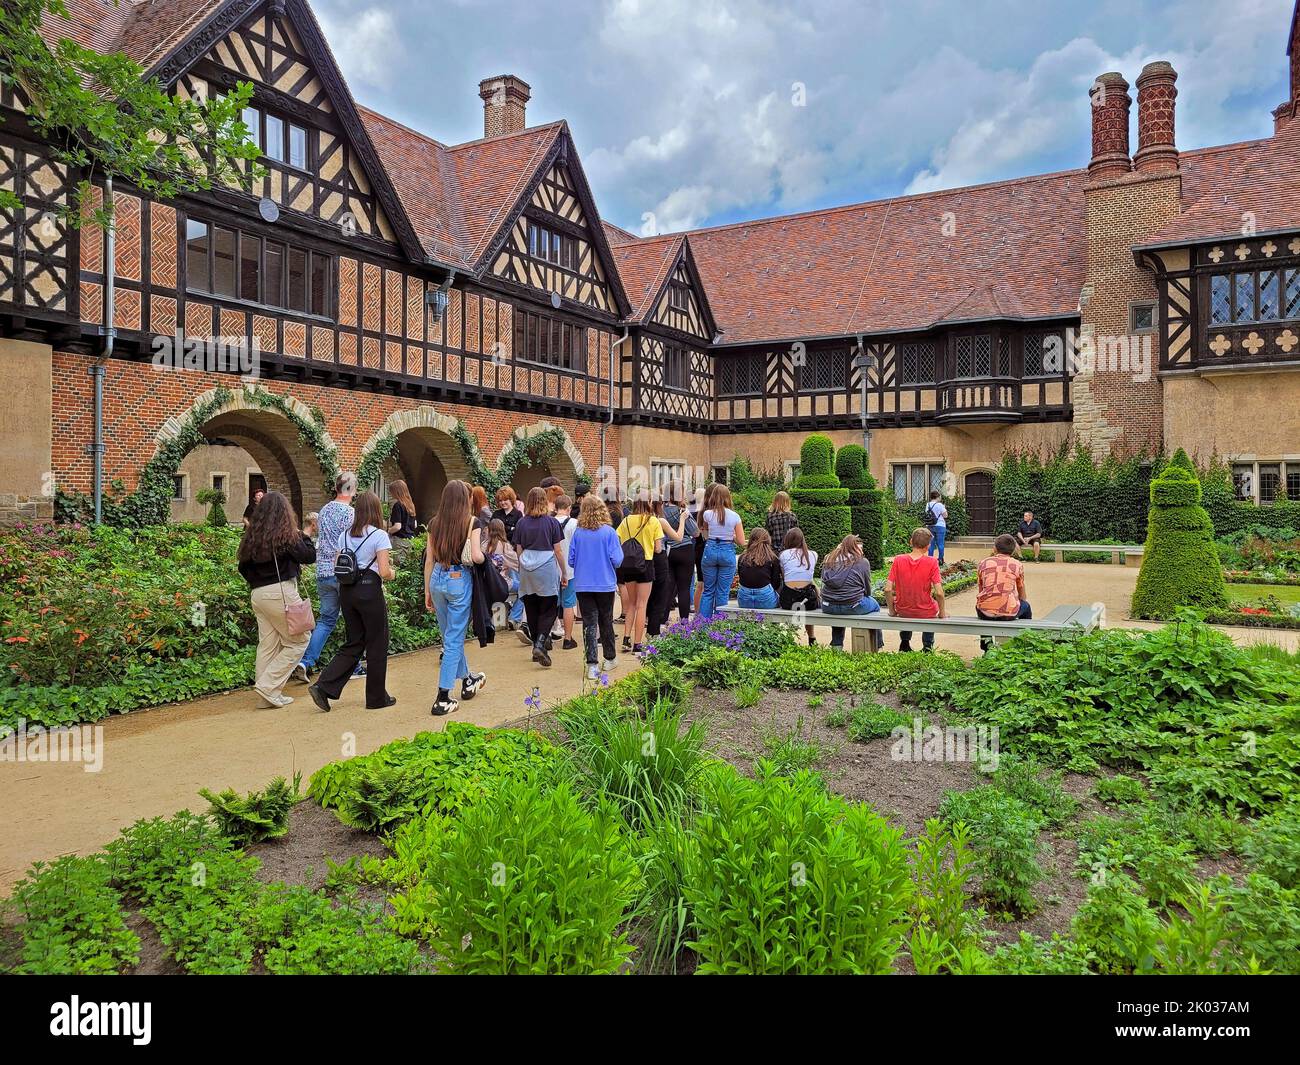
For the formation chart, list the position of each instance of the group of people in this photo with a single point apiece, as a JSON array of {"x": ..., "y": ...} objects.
[{"x": 539, "y": 565}]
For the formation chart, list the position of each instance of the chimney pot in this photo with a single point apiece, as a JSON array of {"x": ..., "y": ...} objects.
[
  {"x": 1285, "y": 114},
  {"x": 505, "y": 98},
  {"x": 1157, "y": 151},
  {"x": 1110, "y": 109}
]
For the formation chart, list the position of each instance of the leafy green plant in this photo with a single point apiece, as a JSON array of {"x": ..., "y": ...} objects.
[
  {"x": 70, "y": 919},
  {"x": 785, "y": 878},
  {"x": 656, "y": 683},
  {"x": 870, "y": 721},
  {"x": 717, "y": 669},
  {"x": 790, "y": 752},
  {"x": 1273, "y": 845},
  {"x": 1042, "y": 791},
  {"x": 1141, "y": 845},
  {"x": 646, "y": 767},
  {"x": 256, "y": 816},
  {"x": 214, "y": 499},
  {"x": 1120, "y": 790},
  {"x": 530, "y": 881},
  {"x": 818, "y": 500},
  {"x": 748, "y": 693},
  {"x": 1004, "y": 838},
  {"x": 943, "y": 927},
  {"x": 1264, "y": 922},
  {"x": 307, "y": 935},
  {"x": 1116, "y": 926}
]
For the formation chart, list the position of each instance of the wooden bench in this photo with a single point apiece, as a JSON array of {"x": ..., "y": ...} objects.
[
  {"x": 1120, "y": 554},
  {"x": 863, "y": 627}
]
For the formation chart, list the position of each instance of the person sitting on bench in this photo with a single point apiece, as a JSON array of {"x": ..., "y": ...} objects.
[
  {"x": 914, "y": 589},
  {"x": 846, "y": 584},
  {"x": 1029, "y": 534},
  {"x": 1001, "y": 594}
]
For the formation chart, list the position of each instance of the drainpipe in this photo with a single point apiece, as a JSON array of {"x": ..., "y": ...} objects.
[
  {"x": 108, "y": 332},
  {"x": 610, "y": 419}
]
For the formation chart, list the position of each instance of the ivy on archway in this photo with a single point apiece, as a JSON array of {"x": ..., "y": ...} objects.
[
  {"x": 368, "y": 472},
  {"x": 150, "y": 503},
  {"x": 526, "y": 451}
]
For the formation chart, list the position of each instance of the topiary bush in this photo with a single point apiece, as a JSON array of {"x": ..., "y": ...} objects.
[
  {"x": 866, "y": 511},
  {"x": 819, "y": 502},
  {"x": 1180, "y": 567},
  {"x": 213, "y": 499}
]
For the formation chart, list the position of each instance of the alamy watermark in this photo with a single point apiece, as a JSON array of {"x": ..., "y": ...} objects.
[
  {"x": 220, "y": 354},
  {"x": 934, "y": 743},
  {"x": 66, "y": 743}
]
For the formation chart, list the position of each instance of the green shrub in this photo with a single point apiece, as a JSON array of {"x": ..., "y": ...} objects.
[
  {"x": 1028, "y": 956},
  {"x": 70, "y": 920},
  {"x": 531, "y": 882},
  {"x": 656, "y": 683},
  {"x": 717, "y": 668},
  {"x": 1273, "y": 847},
  {"x": 944, "y": 929},
  {"x": 1264, "y": 922},
  {"x": 1180, "y": 567},
  {"x": 866, "y": 513},
  {"x": 1042, "y": 791},
  {"x": 785, "y": 878},
  {"x": 1142, "y": 846},
  {"x": 817, "y": 498},
  {"x": 1116, "y": 926},
  {"x": 788, "y": 753},
  {"x": 1120, "y": 790},
  {"x": 683, "y": 641},
  {"x": 1004, "y": 838},
  {"x": 213, "y": 499}
]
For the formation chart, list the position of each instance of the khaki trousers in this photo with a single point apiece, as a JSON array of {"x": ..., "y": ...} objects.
[{"x": 277, "y": 651}]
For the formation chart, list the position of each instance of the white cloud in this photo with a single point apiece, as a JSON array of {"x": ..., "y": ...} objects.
[{"x": 367, "y": 45}]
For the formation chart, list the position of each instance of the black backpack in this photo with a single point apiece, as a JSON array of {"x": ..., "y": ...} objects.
[
  {"x": 931, "y": 515},
  {"x": 346, "y": 569},
  {"x": 633, "y": 554}
]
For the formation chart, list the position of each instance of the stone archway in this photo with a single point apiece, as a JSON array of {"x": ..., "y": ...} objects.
[
  {"x": 426, "y": 455},
  {"x": 567, "y": 463},
  {"x": 271, "y": 437}
]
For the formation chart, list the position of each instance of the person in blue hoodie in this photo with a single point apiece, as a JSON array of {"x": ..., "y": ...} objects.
[{"x": 595, "y": 555}]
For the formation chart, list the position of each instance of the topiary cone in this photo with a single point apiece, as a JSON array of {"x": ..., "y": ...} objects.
[
  {"x": 867, "y": 516},
  {"x": 1180, "y": 566},
  {"x": 819, "y": 502}
]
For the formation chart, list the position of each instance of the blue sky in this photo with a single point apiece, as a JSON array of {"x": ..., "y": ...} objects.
[{"x": 699, "y": 112}]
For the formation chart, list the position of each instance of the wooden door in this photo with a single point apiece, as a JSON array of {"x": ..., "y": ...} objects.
[{"x": 979, "y": 503}]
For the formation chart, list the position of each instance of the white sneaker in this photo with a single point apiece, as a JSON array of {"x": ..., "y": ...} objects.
[
  {"x": 593, "y": 672},
  {"x": 285, "y": 700},
  {"x": 273, "y": 702},
  {"x": 299, "y": 673},
  {"x": 609, "y": 665}
]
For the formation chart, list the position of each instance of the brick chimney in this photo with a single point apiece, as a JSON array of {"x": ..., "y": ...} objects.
[
  {"x": 504, "y": 99},
  {"x": 1156, "y": 93},
  {"x": 1110, "y": 106},
  {"x": 1285, "y": 114}
]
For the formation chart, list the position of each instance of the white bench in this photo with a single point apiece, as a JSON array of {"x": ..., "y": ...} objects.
[
  {"x": 1120, "y": 554},
  {"x": 864, "y": 627}
]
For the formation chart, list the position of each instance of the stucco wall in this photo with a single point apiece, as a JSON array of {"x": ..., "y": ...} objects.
[{"x": 26, "y": 432}]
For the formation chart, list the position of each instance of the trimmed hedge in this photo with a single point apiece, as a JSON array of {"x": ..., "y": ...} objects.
[
  {"x": 818, "y": 500},
  {"x": 1180, "y": 567},
  {"x": 866, "y": 516}
]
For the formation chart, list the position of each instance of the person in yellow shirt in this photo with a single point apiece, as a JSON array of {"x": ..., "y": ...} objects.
[{"x": 642, "y": 537}]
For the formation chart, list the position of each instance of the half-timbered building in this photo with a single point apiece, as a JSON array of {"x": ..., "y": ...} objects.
[{"x": 429, "y": 308}]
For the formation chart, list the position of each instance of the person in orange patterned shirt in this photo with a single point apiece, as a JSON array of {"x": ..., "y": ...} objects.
[{"x": 1001, "y": 594}]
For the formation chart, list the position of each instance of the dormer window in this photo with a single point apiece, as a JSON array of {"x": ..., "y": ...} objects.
[{"x": 679, "y": 296}]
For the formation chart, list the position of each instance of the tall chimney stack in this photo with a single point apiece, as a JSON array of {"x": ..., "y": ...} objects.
[
  {"x": 505, "y": 98},
  {"x": 1110, "y": 106},
  {"x": 1156, "y": 152},
  {"x": 1284, "y": 114}
]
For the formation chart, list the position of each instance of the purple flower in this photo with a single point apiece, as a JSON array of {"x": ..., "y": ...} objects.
[
  {"x": 534, "y": 701},
  {"x": 604, "y": 680}
]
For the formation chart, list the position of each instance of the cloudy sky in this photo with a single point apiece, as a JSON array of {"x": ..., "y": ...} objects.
[{"x": 700, "y": 112}]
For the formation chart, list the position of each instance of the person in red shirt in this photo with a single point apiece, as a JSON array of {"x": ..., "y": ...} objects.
[{"x": 914, "y": 589}]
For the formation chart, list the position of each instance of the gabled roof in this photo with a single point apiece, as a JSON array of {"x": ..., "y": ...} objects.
[
  {"x": 644, "y": 266},
  {"x": 1017, "y": 250},
  {"x": 1224, "y": 186},
  {"x": 617, "y": 234},
  {"x": 144, "y": 30}
]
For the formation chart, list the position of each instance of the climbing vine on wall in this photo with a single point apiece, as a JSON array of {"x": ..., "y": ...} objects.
[
  {"x": 530, "y": 451},
  {"x": 150, "y": 503},
  {"x": 369, "y": 470}
]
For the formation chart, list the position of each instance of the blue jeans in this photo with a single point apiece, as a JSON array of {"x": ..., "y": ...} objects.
[
  {"x": 328, "y": 590},
  {"x": 719, "y": 571},
  {"x": 940, "y": 535},
  {"x": 452, "y": 590},
  {"x": 865, "y": 605},
  {"x": 757, "y": 598},
  {"x": 517, "y": 607}
]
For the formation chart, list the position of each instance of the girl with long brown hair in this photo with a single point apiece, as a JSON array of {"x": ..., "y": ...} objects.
[
  {"x": 726, "y": 533},
  {"x": 798, "y": 563},
  {"x": 365, "y": 611},
  {"x": 272, "y": 552},
  {"x": 401, "y": 515},
  {"x": 454, "y": 548},
  {"x": 760, "y": 573},
  {"x": 846, "y": 584}
]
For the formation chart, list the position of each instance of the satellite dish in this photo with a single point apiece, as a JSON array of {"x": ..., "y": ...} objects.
[
  {"x": 268, "y": 209},
  {"x": 555, "y": 300}
]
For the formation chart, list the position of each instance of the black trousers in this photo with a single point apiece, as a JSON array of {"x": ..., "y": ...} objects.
[
  {"x": 540, "y": 612},
  {"x": 597, "y": 614},
  {"x": 681, "y": 568},
  {"x": 660, "y": 596},
  {"x": 365, "y": 613}
]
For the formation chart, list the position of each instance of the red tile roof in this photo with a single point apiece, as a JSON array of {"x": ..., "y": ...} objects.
[
  {"x": 1222, "y": 186},
  {"x": 643, "y": 266},
  {"x": 145, "y": 30},
  {"x": 1016, "y": 249},
  {"x": 458, "y": 196}
]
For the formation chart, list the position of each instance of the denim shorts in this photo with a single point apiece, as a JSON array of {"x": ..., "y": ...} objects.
[{"x": 568, "y": 596}]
